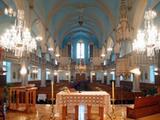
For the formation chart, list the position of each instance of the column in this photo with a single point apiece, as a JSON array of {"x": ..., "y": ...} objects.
[
  {"x": 102, "y": 77},
  {"x": 108, "y": 78},
  {"x": 58, "y": 80},
  {"x": 69, "y": 77},
  {"x": 117, "y": 81},
  {"x": 43, "y": 71},
  {"x": 39, "y": 73},
  {"x": 136, "y": 84}
]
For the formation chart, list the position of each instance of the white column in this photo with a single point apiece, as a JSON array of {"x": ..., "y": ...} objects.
[
  {"x": 69, "y": 77},
  {"x": 108, "y": 78},
  {"x": 102, "y": 77},
  {"x": 136, "y": 84},
  {"x": 43, "y": 71},
  {"x": 91, "y": 78},
  {"x": 39, "y": 73}
]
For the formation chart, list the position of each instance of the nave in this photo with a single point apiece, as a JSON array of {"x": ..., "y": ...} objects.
[{"x": 83, "y": 56}]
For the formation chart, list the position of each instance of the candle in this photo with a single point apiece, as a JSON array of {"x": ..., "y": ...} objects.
[
  {"x": 112, "y": 90},
  {"x": 52, "y": 89}
]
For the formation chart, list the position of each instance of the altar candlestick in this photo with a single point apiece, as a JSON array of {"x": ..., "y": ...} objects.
[
  {"x": 52, "y": 88},
  {"x": 112, "y": 90}
]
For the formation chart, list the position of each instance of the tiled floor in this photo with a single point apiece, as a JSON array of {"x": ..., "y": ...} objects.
[{"x": 44, "y": 111}]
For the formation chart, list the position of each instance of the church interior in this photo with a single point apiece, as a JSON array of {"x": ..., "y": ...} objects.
[{"x": 79, "y": 60}]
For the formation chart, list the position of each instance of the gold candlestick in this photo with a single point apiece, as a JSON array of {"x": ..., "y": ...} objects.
[
  {"x": 113, "y": 90},
  {"x": 52, "y": 116}
]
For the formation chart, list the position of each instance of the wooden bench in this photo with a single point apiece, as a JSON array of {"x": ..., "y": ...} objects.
[{"x": 144, "y": 106}]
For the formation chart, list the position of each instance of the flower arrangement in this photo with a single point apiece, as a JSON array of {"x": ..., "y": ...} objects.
[{"x": 66, "y": 89}]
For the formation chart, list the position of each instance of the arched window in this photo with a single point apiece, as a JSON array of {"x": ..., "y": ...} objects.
[{"x": 80, "y": 50}]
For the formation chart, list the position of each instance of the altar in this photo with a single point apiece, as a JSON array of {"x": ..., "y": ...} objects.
[{"x": 100, "y": 99}]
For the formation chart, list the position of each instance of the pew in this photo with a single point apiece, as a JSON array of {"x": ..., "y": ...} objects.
[{"x": 144, "y": 106}]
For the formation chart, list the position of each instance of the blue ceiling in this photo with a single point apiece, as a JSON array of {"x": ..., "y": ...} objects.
[{"x": 61, "y": 18}]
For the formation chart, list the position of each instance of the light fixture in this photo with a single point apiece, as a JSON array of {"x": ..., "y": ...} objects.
[
  {"x": 35, "y": 71},
  {"x": 67, "y": 74},
  {"x": 55, "y": 73},
  {"x": 109, "y": 49},
  {"x": 148, "y": 39},
  {"x": 57, "y": 55},
  {"x": 50, "y": 49},
  {"x": 80, "y": 21},
  {"x": 93, "y": 73},
  {"x": 48, "y": 72},
  {"x": 18, "y": 38},
  {"x": 23, "y": 70},
  {"x": 10, "y": 12},
  {"x": 102, "y": 55},
  {"x": 39, "y": 38},
  {"x": 136, "y": 71},
  {"x": 105, "y": 73}
]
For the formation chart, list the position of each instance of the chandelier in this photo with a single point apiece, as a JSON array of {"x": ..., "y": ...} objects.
[
  {"x": 18, "y": 37},
  {"x": 148, "y": 39}
]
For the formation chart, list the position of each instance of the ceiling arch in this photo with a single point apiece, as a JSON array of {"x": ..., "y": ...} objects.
[
  {"x": 91, "y": 20},
  {"x": 103, "y": 18}
]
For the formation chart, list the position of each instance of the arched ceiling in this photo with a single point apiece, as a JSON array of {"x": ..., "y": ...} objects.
[{"x": 60, "y": 18}]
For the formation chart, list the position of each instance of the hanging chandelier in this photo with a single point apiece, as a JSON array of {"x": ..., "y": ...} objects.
[
  {"x": 148, "y": 39},
  {"x": 18, "y": 37}
]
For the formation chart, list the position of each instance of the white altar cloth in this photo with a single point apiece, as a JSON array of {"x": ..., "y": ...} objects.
[{"x": 92, "y": 98}]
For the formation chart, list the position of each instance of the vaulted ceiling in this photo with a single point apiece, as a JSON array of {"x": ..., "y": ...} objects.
[{"x": 60, "y": 18}]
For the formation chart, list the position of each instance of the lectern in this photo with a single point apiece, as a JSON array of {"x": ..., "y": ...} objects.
[{"x": 23, "y": 98}]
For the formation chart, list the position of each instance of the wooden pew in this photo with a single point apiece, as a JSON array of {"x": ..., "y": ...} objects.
[{"x": 144, "y": 106}]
